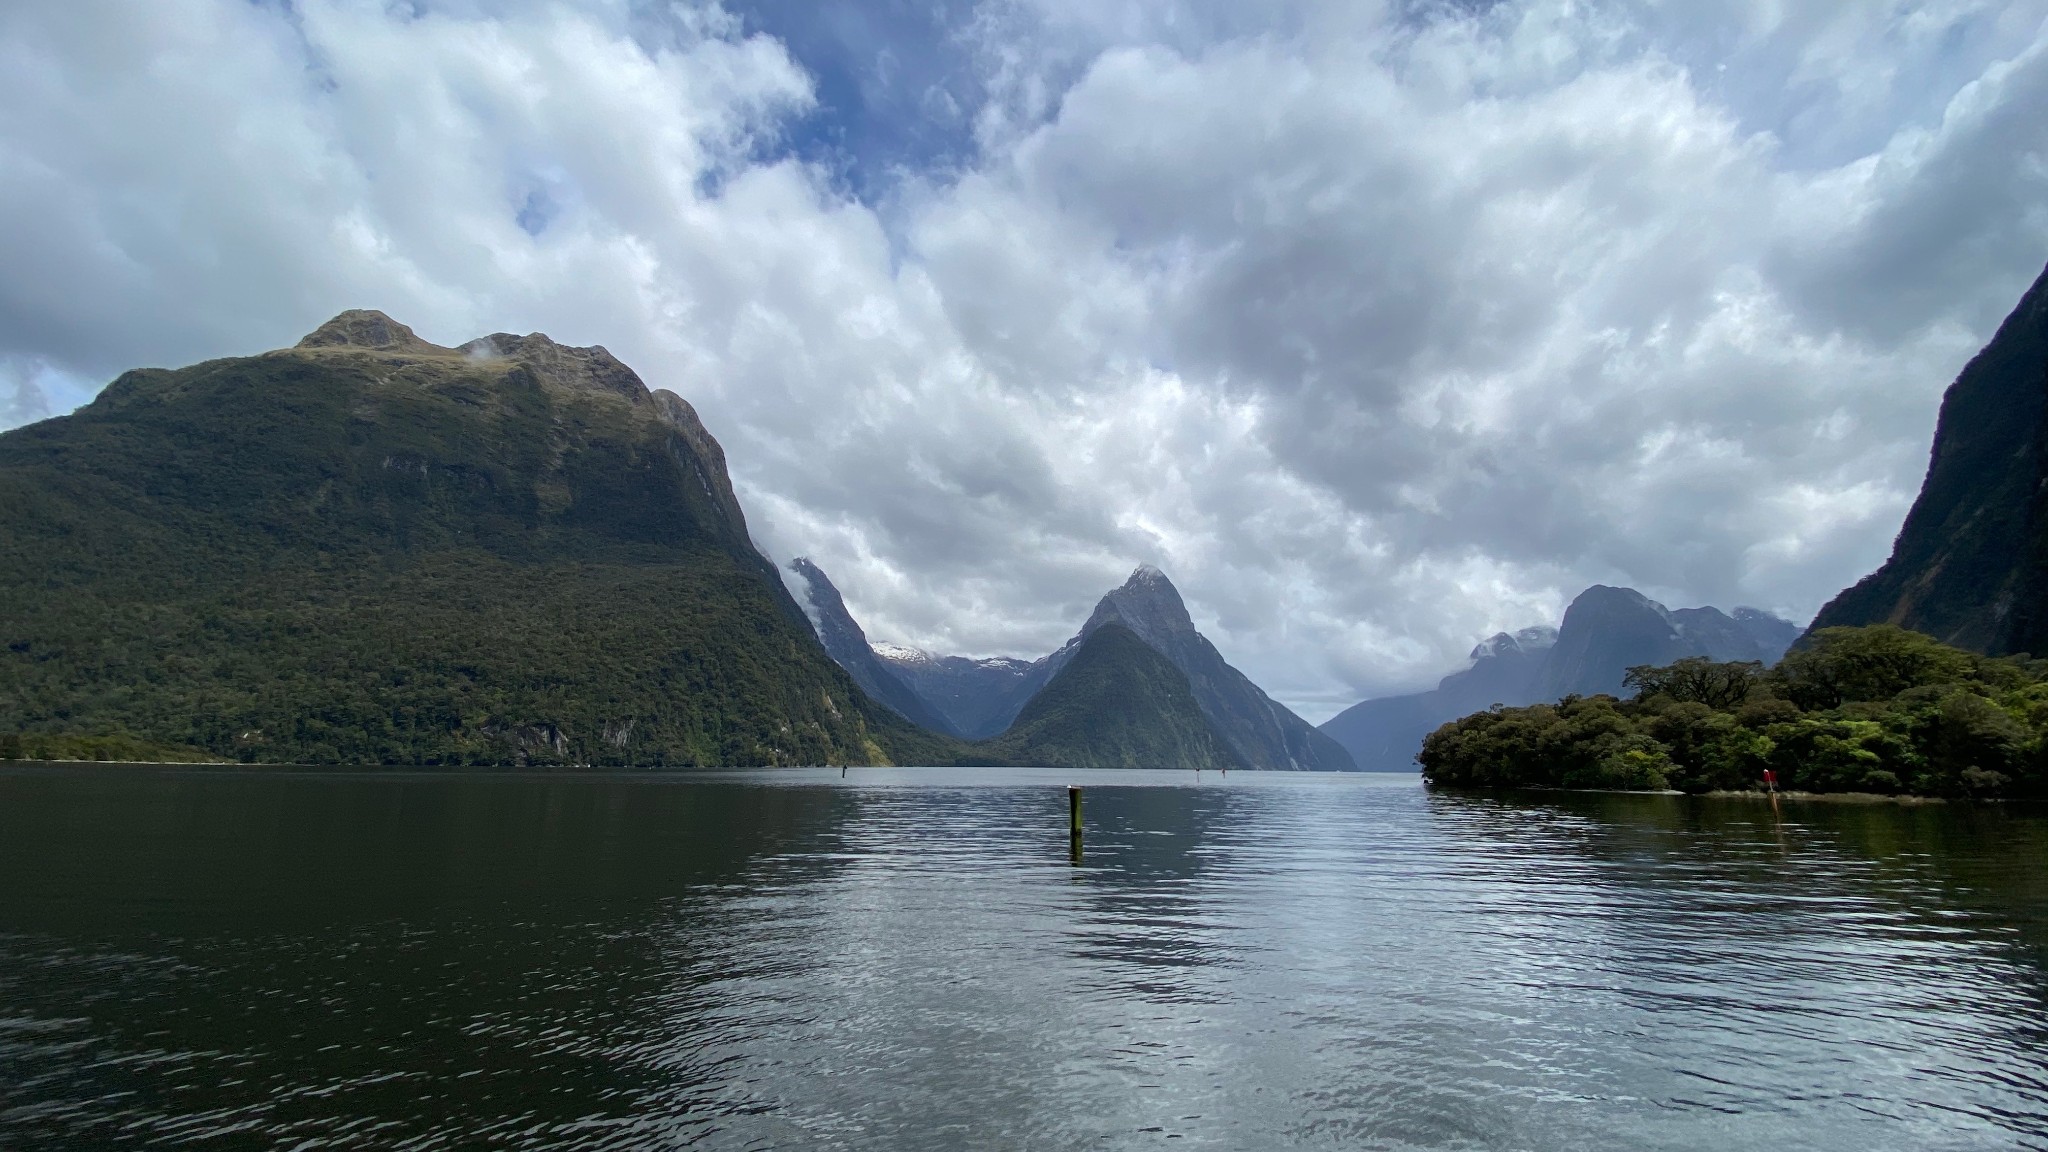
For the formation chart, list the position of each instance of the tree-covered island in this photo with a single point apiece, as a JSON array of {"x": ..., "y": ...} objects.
[{"x": 1870, "y": 709}]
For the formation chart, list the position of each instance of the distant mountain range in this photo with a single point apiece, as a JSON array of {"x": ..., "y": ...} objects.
[
  {"x": 981, "y": 699},
  {"x": 976, "y": 697},
  {"x": 1605, "y": 631},
  {"x": 1970, "y": 565}
]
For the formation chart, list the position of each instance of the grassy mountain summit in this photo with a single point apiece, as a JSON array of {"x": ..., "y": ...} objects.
[
  {"x": 1117, "y": 703},
  {"x": 370, "y": 548}
]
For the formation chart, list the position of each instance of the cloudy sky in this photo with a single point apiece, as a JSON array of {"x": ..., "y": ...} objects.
[{"x": 1380, "y": 327}]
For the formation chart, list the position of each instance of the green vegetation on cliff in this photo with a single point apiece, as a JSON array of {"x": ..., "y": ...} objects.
[
  {"x": 1872, "y": 709},
  {"x": 1118, "y": 703},
  {"x": 372, "y": 549}
]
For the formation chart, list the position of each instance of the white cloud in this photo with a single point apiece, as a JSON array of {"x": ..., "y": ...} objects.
[{"x": 1379, "y": 328}]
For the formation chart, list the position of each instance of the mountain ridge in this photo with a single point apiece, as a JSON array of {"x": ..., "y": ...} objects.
[
  {"x": 982, "y": 699},
  {"x": 848, "y": 646},
  {"x": 1605, "y": 630}
]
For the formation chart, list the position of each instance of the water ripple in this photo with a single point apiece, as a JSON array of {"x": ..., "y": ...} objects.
[{"x": 908, "y": 959}]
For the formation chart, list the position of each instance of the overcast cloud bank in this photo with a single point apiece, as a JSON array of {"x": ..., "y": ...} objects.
[{"x": 1381, "y": 329}]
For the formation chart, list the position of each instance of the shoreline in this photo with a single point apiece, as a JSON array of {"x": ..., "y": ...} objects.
[{"x": 1902, "y": 799}]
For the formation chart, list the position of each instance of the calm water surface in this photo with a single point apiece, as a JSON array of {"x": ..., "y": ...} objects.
[{"x": 909, "y": 960}]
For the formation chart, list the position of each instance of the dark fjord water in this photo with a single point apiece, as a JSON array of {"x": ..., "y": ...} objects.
[{"x": 908, "y": 960}]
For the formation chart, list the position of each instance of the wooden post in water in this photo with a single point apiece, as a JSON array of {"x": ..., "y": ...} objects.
[{"x": 1074, "y": 822}]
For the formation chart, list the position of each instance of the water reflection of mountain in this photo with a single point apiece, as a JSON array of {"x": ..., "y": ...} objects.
[{"x": 116, "y": 849}]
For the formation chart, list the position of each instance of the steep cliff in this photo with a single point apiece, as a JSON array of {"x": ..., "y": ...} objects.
[
  {"x": 848, "y": 647},
  {"x": 1970, "y": 565}
]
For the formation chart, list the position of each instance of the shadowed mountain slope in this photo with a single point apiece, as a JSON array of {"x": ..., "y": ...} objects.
[
  {"x": 1970, "y": 565},
  {"x": 369, "y": 548},
  {"x": 1383, "y": 735},
  {"x": 1115, "y": 703},
  {"x": 978, "y": 696}
]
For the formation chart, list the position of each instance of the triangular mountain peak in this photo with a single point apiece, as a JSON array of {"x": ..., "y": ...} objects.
[
  {"x": 1261, "y": 732},
  {"x": 1147, "y": 603},
  {"x": 1118, "y": 703}
]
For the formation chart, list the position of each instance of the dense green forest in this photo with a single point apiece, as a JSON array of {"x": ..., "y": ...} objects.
[
  {"x": 370, "y": 549},
  {"x": 373, "y": 550},
  {"x": 1872, "y": 709}
]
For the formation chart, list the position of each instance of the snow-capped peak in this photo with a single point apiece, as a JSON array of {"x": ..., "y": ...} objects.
[{"x": 897, "y": 653}]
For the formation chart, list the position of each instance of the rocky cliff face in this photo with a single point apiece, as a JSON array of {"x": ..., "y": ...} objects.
[
  {"x": 848, "y": 646},
  {"x": 1605, "y": 632},
  {"x": 1608, "y": 630},
  {"x": 1970, "y": 565}
]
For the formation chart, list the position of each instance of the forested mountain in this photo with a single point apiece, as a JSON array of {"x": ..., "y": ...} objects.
[
  {"x": 1970, "y": 565},
  {"x": 984, "y": 697},
  {"x": 1605, "y": 632},
  {"x": 1116, "y": 702},
  {"x": 369, "y": 548},
  {"x": 1260, "y": 731}
]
